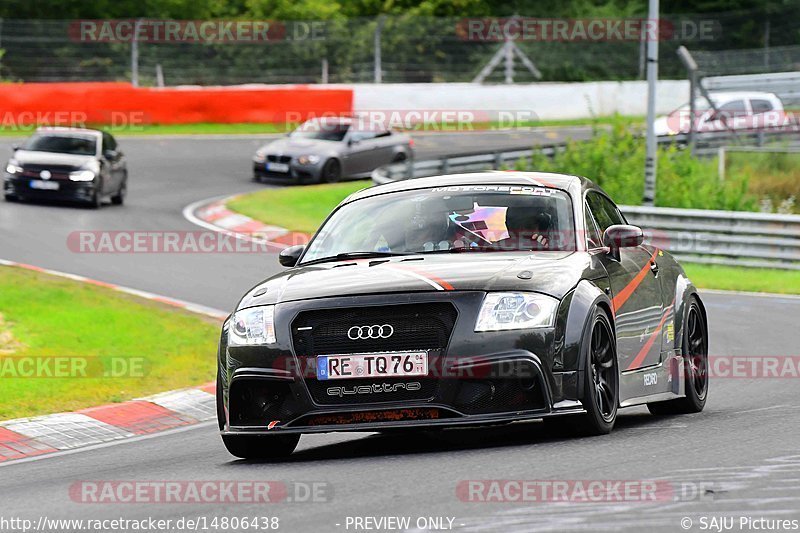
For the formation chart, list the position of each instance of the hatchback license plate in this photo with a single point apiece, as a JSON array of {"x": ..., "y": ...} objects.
[
  {"x": 44, "y": 185},
  {"x": 372, "y": 365}
]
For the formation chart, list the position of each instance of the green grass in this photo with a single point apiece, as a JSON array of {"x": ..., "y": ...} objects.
[
  {"x": 744, "y": 279},
  {"x": 249, "y": 128},
  {"x": 296, "y": 208},
  {"x": 46, "y": 316},
  {"x": 172, "y": 129}
]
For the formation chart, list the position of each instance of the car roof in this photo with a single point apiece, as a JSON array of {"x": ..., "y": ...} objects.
[
  {"x": 566, "y": 182},
  {"x": 67, "y": 130}
]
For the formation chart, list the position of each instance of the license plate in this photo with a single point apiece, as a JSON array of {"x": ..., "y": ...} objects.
[
  {"x": 372, "y": 365},
  {"x": 44, "y": 185},
  {"x": 278, "y": 167}
]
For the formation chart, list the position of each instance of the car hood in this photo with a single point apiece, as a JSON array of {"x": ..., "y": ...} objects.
[
  {"x": 298, "y": 147},
  {"x": 25, "y": 157},
  {"x": 552, "y": 273}
]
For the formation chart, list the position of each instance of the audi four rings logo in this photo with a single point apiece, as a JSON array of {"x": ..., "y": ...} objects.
[{"x": 370, "y": 332}]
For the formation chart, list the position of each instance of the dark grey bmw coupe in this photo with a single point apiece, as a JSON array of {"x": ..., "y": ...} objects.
[{"x": 471, "y": 299}]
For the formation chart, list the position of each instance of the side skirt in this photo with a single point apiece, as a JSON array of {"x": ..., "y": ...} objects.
[{"x": 663, "y": 381}]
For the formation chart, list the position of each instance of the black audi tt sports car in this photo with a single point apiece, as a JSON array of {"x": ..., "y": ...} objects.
[{"x": 470, "y": 299}]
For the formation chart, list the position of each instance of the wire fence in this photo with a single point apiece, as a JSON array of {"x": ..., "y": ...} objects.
[{"x": 386, "y": 49}]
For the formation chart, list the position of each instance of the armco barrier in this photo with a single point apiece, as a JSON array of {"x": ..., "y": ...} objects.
[{"x": 121, "y": 104}]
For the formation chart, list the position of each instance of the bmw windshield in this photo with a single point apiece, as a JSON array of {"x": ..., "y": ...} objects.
[{"x": 448, "y": 219}]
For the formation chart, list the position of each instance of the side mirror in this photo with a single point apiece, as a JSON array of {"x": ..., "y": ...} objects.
[
  {"x": 289, "y": 256},
  {"x": 110, "y": 154},
  {"x": 14, "y": 147},
  {"x": 622, "y": 236},
  {"x": 351, "y": 142}
]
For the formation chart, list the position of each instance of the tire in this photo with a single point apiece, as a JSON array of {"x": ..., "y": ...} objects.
[
  {"x": 399, "y": 157},
  {"x": 600, "y": 382},
  {"x": 695, "y": 370},
  {"x": 96, "y": 201},
  {"x": 331, "y": 171},
  {"x": 119, "y": 198},
  {"x": 253, "y": 446}
]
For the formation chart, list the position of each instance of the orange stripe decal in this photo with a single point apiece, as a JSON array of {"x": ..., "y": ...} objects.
[
  {"x": 622, "y": 296},
  {"x": 642, "y": 355}
]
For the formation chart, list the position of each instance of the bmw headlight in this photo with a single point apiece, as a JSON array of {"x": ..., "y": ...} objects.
[
  {"x": 261, "y": 156},
  {"x": 516, "y": 310},
  {"x": 254, "y": 326},
  {"x": 308, "y": 159},
  {"x": 13, "y": 167}
]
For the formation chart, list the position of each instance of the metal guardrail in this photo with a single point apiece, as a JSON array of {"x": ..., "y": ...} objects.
[
  {"x": 722, "y": 237},
  {"x": 695, "y": 235},
  {"x": 784, "y": 84}
]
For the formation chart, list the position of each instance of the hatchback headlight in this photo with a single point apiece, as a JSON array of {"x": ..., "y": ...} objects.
[
  {"x": 13, "y": 167},
  {"x": 516, "y": 310},
  {"x": 254, "y": 326},
  {"x": 308, "y": 159},
  {"x": 261, "y": 156},
  {"x": 81, "y": 175}
]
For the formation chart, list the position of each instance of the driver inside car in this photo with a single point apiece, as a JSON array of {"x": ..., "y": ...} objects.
[{"x": 528, "y": 229}]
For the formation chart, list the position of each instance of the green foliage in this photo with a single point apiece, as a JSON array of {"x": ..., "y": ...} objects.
[{"x": 614, "y": 159}]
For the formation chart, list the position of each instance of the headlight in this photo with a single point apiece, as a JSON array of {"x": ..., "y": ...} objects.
[
  {"x": 261, "y": 156},
  {"x": 308, "y": 159},
  {"x": 516, "y": 310},
  {"x": 13, "y": 167},
  {"x": 252, "y": 326},
  {"x": 81, "y": 175}
]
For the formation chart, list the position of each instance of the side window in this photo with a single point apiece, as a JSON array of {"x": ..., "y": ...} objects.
[
  {"x": 605, "y": 212},
  {"x": 736, "y": 108},
  {"x": 593, "y": 239},
  {"x": 761, "y": 106},
  {"x": 109, "y": 143},
  {"x": 358, "y": 136}
]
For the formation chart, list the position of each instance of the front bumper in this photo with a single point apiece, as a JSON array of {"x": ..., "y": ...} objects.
[
  {"x": 297, "y": 172},
  {"x": 477, "y": 379},
  {"x": 67, "y": 190}
]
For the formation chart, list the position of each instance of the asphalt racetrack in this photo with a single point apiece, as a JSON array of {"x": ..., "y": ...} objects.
[{"x": 739, "y": 457}]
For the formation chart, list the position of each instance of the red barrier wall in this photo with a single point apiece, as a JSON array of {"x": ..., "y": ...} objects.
[{"x": 122, "y": 104}]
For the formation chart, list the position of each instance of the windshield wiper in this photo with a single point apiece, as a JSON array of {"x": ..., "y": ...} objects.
[{"x": 352, "y": 255}]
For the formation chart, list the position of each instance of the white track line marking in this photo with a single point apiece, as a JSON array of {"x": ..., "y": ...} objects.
[{"x": 199, "y": 425}]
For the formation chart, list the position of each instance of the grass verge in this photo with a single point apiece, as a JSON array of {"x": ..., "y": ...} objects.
[
  {"x": 744, "y": 279},
  {"x": 125, "y": 346},
  {"x": 249, "y": 128},
  {"x": 296, "y": 208}
]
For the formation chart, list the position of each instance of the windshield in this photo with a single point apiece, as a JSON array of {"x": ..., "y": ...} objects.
[
  {"x": 321, "y": 131},
  {"x": 449, "y": 219},
  {"x": 62, "y": 144}
]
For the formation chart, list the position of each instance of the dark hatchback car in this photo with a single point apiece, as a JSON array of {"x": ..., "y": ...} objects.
[
  {"x": 71, "y": 164},
  {"x": 472, "y": 299}
]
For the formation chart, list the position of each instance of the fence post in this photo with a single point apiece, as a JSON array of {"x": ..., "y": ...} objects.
[
  {"x": 378, "y": 74},
  {"x": 135, "y": 55}
]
